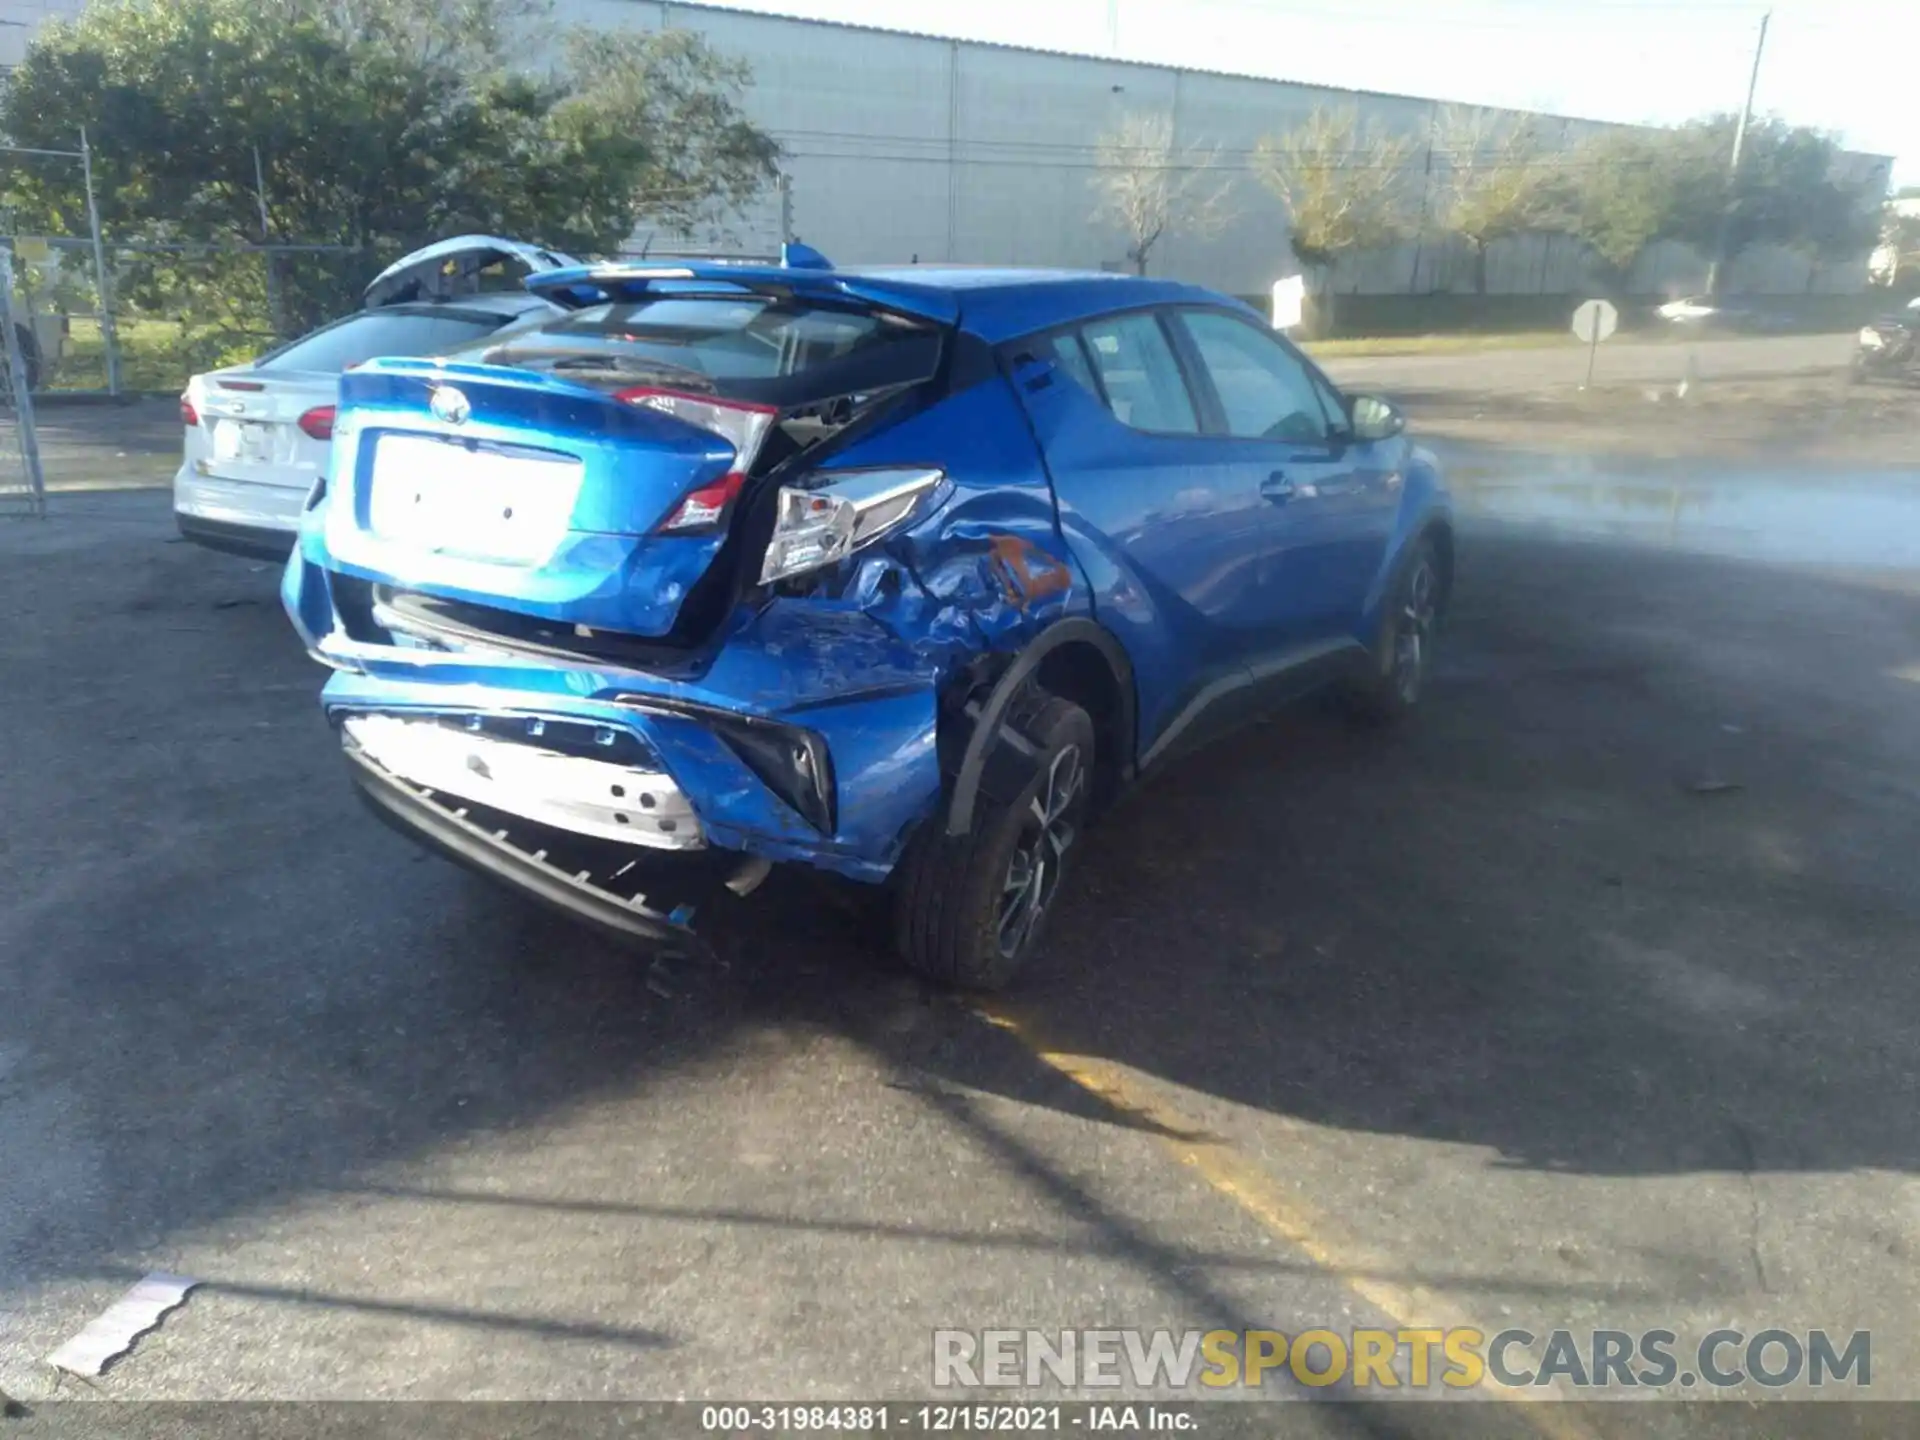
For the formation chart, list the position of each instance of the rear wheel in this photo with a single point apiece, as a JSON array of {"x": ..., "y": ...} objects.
[
  {"x": 970, "y": 910},
  {"x": 1403, "y": 654}
]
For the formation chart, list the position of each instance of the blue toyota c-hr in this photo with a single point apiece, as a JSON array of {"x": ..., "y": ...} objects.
[{"x": 897, "y": 573}]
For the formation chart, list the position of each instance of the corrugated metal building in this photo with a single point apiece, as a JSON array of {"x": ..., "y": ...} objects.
[{"x": 902, "y": 145}]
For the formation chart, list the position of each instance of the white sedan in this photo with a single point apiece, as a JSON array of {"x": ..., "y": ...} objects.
[{"x": 257, "y": 435}]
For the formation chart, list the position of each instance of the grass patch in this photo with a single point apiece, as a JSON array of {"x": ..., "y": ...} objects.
[
  {"x": 155, "y": 355},
  {"x": 1364, "y": 345}
]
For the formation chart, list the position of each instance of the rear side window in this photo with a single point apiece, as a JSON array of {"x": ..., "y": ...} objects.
[
  {"x": 1067, "y": 353},
  {"x": 766, "y": 348},
  {"x": 382, "y": 332},
  {"x": 1142, "y": 378}
]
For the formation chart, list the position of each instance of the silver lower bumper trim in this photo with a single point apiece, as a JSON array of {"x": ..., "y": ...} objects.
[{"x": 599, "y": 798}]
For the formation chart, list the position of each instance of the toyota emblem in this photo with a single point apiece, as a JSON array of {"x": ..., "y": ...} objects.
[{"x": 450, "y": 405}]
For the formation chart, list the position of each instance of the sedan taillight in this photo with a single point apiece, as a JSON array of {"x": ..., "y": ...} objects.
[
  {"x": 189, "y": 417},
  {"x": 317, "y": 423}
]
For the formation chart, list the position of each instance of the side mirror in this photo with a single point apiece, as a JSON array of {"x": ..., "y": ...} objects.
[{"x": 1375, "y": 419}]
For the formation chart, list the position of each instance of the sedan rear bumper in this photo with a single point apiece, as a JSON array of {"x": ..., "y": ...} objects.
[
  {"x": 256, "y": 542},
  {"x": 261, "y": 522}
]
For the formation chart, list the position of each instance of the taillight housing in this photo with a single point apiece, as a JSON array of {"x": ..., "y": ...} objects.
[
  {"x": 189, "y": 417},
  {"x": 317, "y": 423},
  {"x": 740, "y": 424},
  {"x": 821, "y": 522}
]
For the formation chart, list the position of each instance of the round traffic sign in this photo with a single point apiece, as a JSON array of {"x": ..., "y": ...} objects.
[{"x": 1595, "y": 320}]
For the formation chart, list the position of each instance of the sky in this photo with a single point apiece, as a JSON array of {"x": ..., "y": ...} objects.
[{"x": 1842, "y": 65}]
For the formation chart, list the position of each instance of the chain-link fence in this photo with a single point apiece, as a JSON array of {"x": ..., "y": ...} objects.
[
  {"x": 168, "y": 310},
  {"x": 22, "y": 487},
  {"x": 181, "y": 308}
]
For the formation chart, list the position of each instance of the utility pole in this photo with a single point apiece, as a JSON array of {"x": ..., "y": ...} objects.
[
  {"x": 275, "y": 318},
  {"x": 109, "y": 333},
  {"x": 1720, "y": 256},
  {"x": 1113, "y": 27}
]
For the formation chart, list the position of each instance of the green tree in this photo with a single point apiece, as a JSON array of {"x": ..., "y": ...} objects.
[
  {"x": 1146, "y": 186},
  {"x": 1345, "y": 183},
  {"x": 1793, "y": 191},
  {"x": 1629, "y": 188},
  {"x": 375, "y": 124},
  {"x": 1498, "y": 179}
]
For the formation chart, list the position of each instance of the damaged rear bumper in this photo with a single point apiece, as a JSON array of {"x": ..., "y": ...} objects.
[
  {"x": 584, "y": 883},
  {"x": 808, "y": 736}
]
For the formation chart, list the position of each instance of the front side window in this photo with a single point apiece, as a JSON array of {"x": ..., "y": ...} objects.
[
  {"x": 1142, "y": 378},
  {"x": 1265, "y": 391}
]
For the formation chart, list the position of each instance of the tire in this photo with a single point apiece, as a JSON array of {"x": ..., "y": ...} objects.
[
  {"x": 1403, "y": 653},
  {"x": 958, "y": 917}
]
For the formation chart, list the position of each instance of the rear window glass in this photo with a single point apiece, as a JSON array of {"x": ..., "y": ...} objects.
[
  {"x": 382, "y": 332},
  {"x": 756, "y": 347}
]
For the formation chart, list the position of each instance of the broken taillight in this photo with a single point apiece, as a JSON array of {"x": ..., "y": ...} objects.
[
  {"x": 835, "y": 513},
  {"x": 742, "y": 425},
  {"x": 189, "y": 417},
  {"x": 317, "y": 423}
]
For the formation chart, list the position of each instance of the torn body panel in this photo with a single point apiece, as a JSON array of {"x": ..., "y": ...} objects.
[{"x": 871, "y": 656}]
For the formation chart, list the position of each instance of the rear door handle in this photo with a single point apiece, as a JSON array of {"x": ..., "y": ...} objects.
[{"x": 1277, "y": 488}]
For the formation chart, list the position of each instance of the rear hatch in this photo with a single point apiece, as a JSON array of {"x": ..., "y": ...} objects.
[
  {"x": 589, "y": 476},
  {"x": 448, "y": 269}
]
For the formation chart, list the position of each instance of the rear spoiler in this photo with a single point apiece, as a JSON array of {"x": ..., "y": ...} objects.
[{"x": 802, "y": 271}]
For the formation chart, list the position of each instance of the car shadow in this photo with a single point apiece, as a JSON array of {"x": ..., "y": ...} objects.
[{"x": 1628, "y": 897}]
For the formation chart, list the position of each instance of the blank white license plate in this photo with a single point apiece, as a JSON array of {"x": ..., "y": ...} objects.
[
  {"x": 506, "y": 506},
  {"x": 245, "y": 440}
]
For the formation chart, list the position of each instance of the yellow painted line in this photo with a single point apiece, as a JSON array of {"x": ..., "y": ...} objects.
[{"x": 1255, "y": 1192}]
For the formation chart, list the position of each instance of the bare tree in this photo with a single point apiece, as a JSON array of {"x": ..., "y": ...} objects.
[
  {"x": 1148, "y": 187},
  {"x": 1498, "y": 178},
  {"x": 1344, "y": 182}
]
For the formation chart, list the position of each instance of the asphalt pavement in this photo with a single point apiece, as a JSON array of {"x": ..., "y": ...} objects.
[{"x": 1588, "y": 1000}]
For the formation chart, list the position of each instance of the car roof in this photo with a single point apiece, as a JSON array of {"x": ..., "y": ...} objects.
[{"x": 1002, "y": 303}]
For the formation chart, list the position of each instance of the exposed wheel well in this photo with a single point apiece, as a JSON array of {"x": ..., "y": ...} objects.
[
  {"x": 1073, "y": 658},
  {"x": 1077, "y": 671}
]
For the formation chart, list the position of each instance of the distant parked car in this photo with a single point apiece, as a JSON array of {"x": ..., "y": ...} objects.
[
  {"x": 1890, "y": 346},
  {"x": 1708, "y": 312},
  {"x": 257, "y": 435}
]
